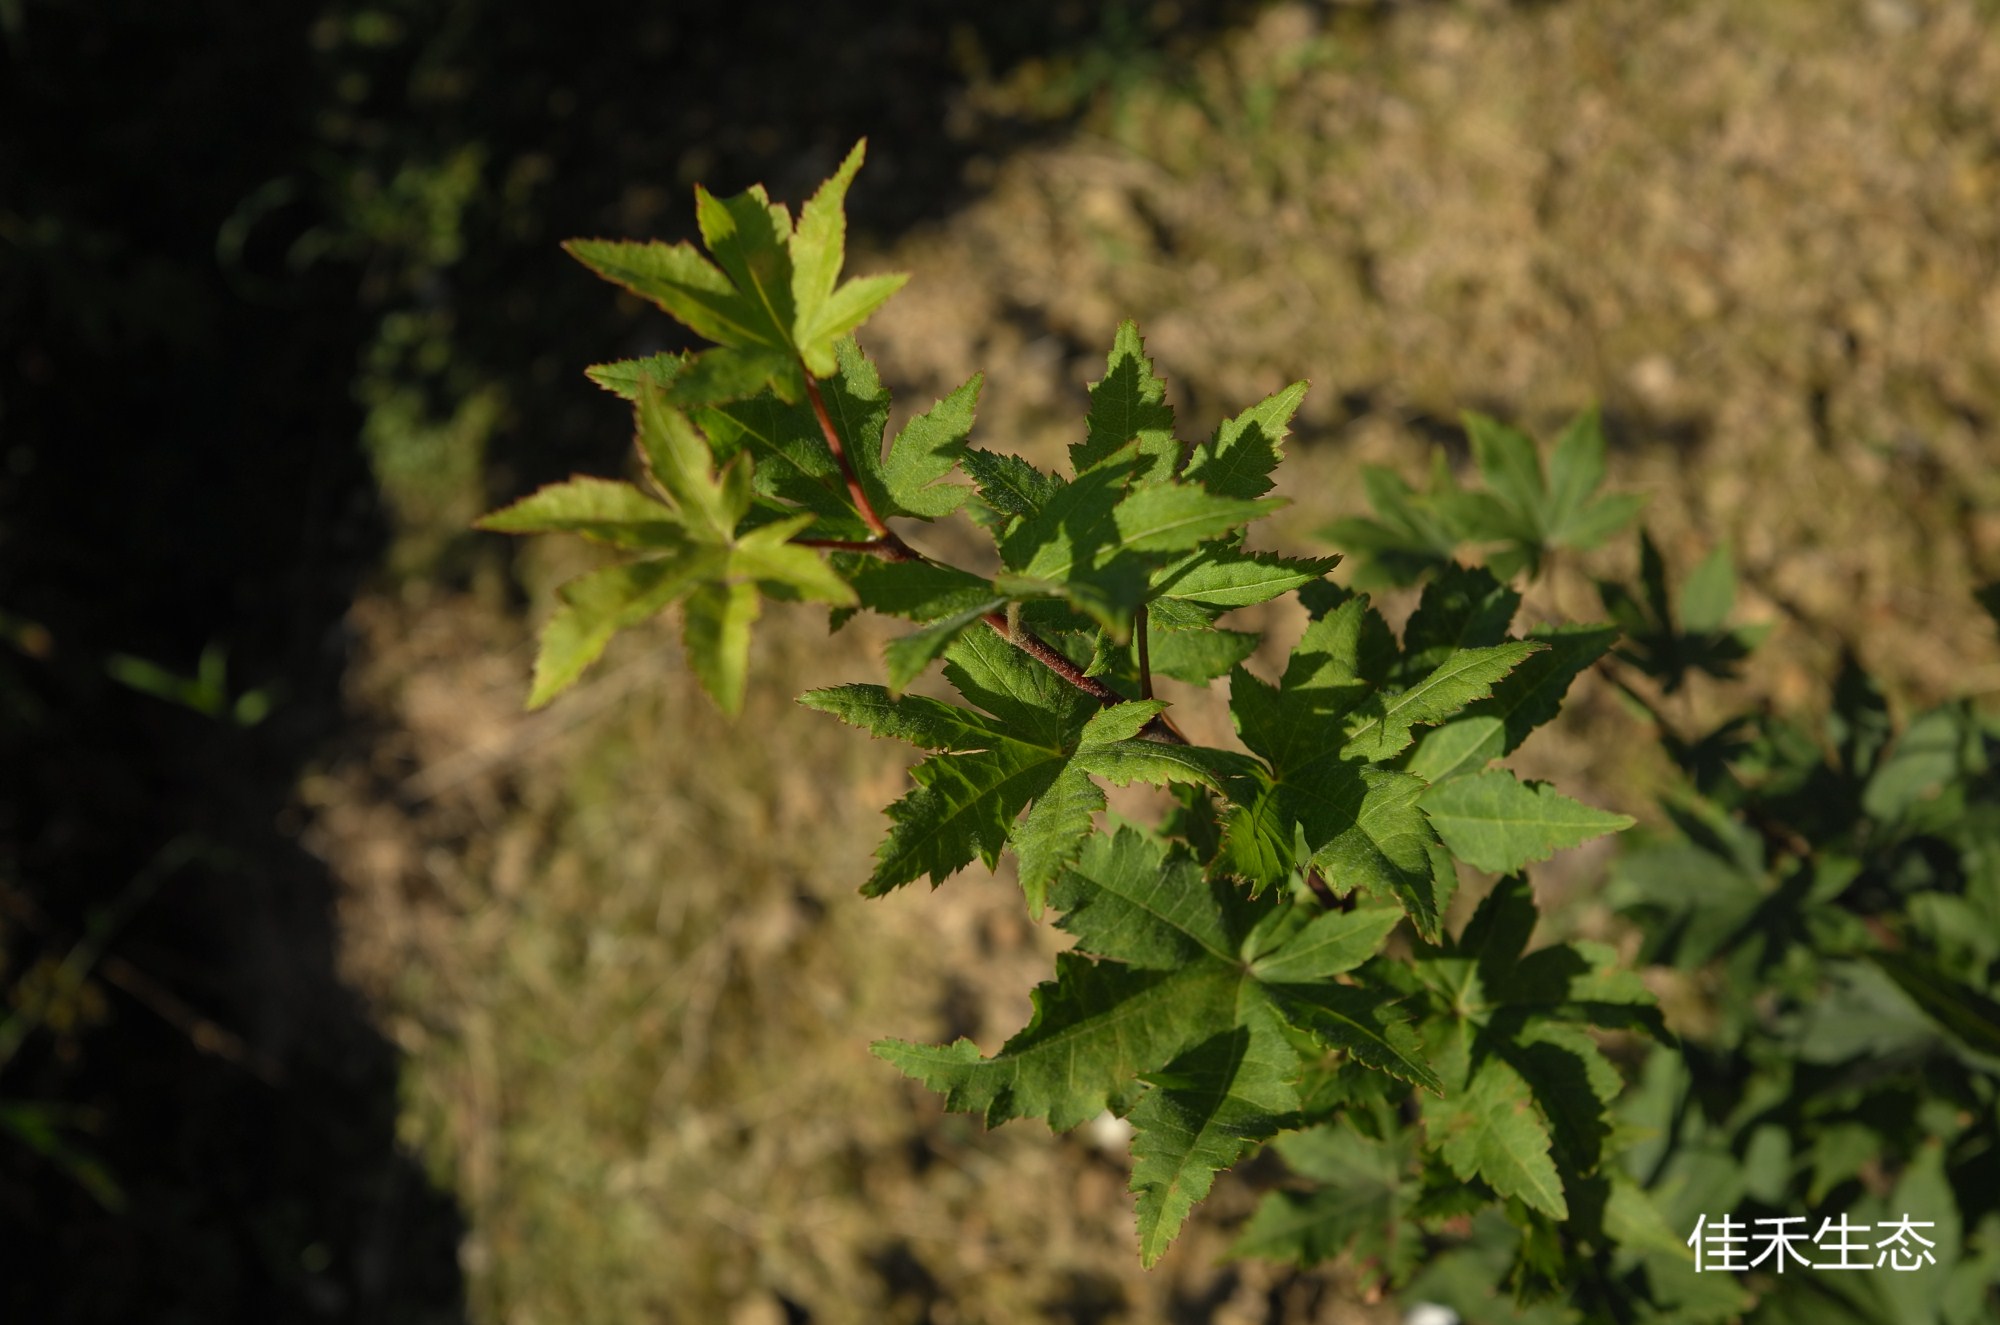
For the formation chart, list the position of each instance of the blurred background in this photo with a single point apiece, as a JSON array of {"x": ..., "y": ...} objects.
[{"x": 334, "y": 987}]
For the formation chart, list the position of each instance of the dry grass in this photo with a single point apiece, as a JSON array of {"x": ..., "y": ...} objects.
[{"x": 619, "y": 942}]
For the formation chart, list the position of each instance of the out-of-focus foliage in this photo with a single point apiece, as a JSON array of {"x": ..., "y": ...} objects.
[{"x": 1825, "y": 904}]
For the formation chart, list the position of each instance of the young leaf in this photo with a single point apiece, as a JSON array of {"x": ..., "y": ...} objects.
[
  {"x": 626, "y": 376},
  {"x": 679, "y": 280},
  {"x": 597, "y": 606},
  {"x": 769, "y": 299},
  {"x": 716, "y": 637},
  {"x": 604, "y": 511},
  {"x": 781, "y": 568}
]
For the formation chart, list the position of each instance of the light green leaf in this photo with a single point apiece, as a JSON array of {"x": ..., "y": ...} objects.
[
  {"x": 851, "y": 305},
  {"x": 680, "y": 461},
  {"x": 1495, "y": 822},
  {"x": 764, "y": 555},
  {"x": 597, "y": 606},
  {"x": 599, "y": 509},
  {"x": 750, "y": 239},
  {"x": 819, "y": 246},
  {"x": 925, "y": 451},
  {"x": 716, "y": 638},
  {"x": 626, "y": 376},
  {"x": 676, "y": 278}
]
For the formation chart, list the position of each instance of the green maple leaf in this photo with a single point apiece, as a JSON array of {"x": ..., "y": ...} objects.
[
  {"x": 1493, "y": 821},
  {"x": 694, "y": 550},
  {"x": 1321, "y": 732},
  {"x": 1194, "y": 590},
  {"x": 593, "y": 608},
  {"x": 1491, "y": 1130},
  {"x": 1363, "y": 1203},
  {"x": 1461, "y": 608},
  {"x": 627, "y": 377},
  {"x": 1097, "y": 540},
  {"x": 1183, "y": 602},
  {"x": 1522, "y": 514},
  {"x": 1531, "y": 512},
  {"x": 1409, "y": 535},
  {"x": 771, "y": 299},
  {"x": 1214, "y": 1102},
  {"x": 1128, "y": 406},
  {"x": 1238, "y": 460},
  {"x": 1526, "y": 1104},
  {"x": 1523, "y": 700},
  {"x": 1038, "y": 745},
  {"x": 795, "y": 466},
  {"x": 1009, "y": 487},
  {"x": 1191, "y": 1019},
  {"x": 602, "y": 510}
]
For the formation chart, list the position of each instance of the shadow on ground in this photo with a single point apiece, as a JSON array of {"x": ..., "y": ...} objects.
[{"x": 250, "y": 261}]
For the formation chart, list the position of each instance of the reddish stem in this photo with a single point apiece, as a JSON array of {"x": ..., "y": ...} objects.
[
  {"x": 890, "y": 547},
  {"x": 861, "y": 502},
  {"x": 1159, "y": 728}
]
